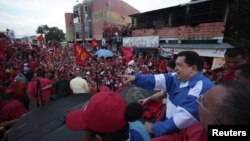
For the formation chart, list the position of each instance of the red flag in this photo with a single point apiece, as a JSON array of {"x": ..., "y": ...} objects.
[
  {"x": 40, "y": 37},
  {"x": 2, "y": 57},
  {"x": 81, "y": 55},
  {"x": 128, "y": 53},
  {"x": 94, "y": 43}
]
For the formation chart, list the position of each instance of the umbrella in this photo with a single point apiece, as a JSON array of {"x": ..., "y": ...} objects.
[
  {"x": 47, "y": 122},
  {"x": 133, "y": 93},
  {"x": 104, "y": 53}
]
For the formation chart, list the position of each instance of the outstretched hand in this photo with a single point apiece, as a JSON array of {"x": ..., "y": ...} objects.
[{"x": 127, "y": 78}]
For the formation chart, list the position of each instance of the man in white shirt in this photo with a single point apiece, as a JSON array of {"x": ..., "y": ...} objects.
[{"x": 79, "y": 85}]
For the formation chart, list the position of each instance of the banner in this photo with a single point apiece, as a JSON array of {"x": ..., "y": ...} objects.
[{"x": 144, "y": 41}]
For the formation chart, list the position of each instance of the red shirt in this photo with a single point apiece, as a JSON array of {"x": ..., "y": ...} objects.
[
  {"x": 2, "y": 74},
  {"x": 13, "y": 74},
  {"x": 2, "y": 89},
  {"x": 33, "y": 65},
  {"x": 10, "y": 110},
  {"x": 163, "y": 66},
  {"x": 224, "y": 76},
  {"x": 32, "y": 88},
  {"x": 193, "y": 133},
  {"x": 18, "y": 90},
  {"x": 228, "y": 75}
]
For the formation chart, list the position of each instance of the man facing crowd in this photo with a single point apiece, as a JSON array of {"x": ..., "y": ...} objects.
[{"x": 183, "y": 88}]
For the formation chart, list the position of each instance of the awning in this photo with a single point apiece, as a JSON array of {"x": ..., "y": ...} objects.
[
  {"x": 198, "y": 46},
  {"x": 206, "y": 50}
]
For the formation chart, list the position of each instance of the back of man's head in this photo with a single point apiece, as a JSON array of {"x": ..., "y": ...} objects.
[
  {"x": 234, "y": 52},
  {"x": 134, "y": 112},
  {"x": 171, "y": 63},
  {"x": 192, "y": 58},
  {"x": 235, "y": 106},
  {"x": 78, "y": 72},
  {"x": 39, "y": 72},
  {"x": 244, "y": 71}
]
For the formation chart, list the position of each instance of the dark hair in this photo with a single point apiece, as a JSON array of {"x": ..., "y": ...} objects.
[
  {"x": 4, "y": 96},
  {"x": 192, "y": 58},
  {"x": 63, "y": 75},
  {"x": 134, "y": 111},
  {"x": 120, "y": 135},
  {"x": 244, "y": 70},
  {"x": 171, "y": 63},
  {"x": 233, "y": 52},
  {"x": 235, "y": 107},
  {"x": 39, "y": 72}
]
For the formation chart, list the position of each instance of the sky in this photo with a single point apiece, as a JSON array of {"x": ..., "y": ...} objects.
[{"x": 24, "y": 16}]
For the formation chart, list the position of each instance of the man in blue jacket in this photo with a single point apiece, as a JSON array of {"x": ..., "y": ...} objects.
[{"x": 183, "y": 88}]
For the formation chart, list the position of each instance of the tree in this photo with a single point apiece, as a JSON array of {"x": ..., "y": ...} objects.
[
  {"x": 42, "y": 29},
  {"x": 53, "y": 34}
]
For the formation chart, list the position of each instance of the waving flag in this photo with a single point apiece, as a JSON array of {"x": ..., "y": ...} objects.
[
  {"x": 40, "y": 38},
  {"x": 2, "y": 57},
  {"x": 94, "y": 43},
  {"x": 81, "y": 54},
  {"x": 128, "y": 53}
]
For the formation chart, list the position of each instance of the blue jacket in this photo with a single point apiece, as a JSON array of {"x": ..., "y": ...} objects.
[
  {"x": 138, "y": 131},
  {"x": 182, "y": 108}
]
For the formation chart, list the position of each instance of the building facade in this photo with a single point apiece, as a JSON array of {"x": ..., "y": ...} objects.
[
  {"x": 198, "y": 25},
  {"x": 92, "y": 17},
  {"x": 70, "y": 36}
]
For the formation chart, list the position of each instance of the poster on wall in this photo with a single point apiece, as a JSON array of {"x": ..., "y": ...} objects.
[{"x": 144, "y": 41}]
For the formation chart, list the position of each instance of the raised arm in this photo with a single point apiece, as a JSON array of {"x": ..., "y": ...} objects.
[
  {"x": 157, "y": 96},
  {"x": 127, "y": 78}
]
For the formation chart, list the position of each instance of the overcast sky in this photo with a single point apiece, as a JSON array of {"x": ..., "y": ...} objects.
[{"x": 24, "y": 16}]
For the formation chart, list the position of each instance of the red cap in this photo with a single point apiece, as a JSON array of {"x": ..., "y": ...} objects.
[
  {"x": 105, "y": 112},
  {"x": 104, "y": 88}
]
